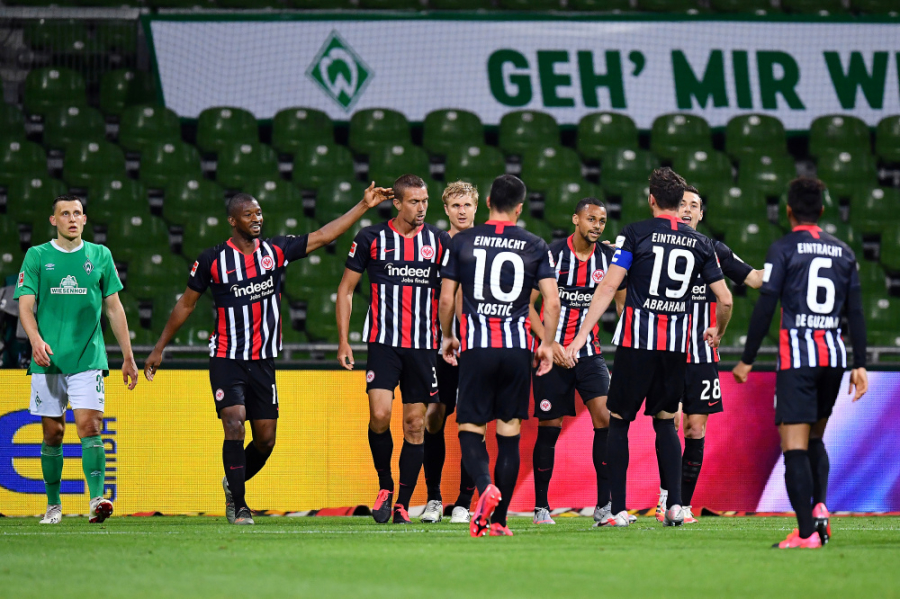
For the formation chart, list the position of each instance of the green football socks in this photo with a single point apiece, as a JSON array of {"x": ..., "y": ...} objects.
[
  {"x": 93, "y": 462},
  {"x": 51, "y": 468}
]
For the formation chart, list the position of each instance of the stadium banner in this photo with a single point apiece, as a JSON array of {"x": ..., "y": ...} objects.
[
  {"x": 164, "y": 445},
  {"x": 568, "y": 66}
]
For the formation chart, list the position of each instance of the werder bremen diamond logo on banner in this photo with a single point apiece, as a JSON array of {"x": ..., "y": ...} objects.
[{"x": 340, "y": 71}]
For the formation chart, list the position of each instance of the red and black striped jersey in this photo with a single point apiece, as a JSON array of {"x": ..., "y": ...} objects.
[
  {"x": 703, "y": 315},
  {"x": 812, "y": 273},
  {"x": 663, "y": 257},
  {"x": 497, "y": 265},
  {"x": 404, "y": 280},
  {"x": 576, "y": 280},
  {"x": 246, "y": 290}
]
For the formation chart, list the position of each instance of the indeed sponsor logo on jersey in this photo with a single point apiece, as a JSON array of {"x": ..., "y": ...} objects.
[
  {"x": 68, "y": 286},
  {"x": 575, "y": 298},
  {"x": 267, "y": 287},
  {"x": 698, "y": 293},
  {"x": 817, "y": 321},
  {"x": 409, "y": 274}
]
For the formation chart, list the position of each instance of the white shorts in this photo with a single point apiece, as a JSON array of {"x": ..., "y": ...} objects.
[{"x": 51, "y": 393}]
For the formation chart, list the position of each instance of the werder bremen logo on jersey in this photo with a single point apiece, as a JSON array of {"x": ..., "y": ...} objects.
[
  {"x": 340, "y": 71},
  {"x": 68, "y": 286}
]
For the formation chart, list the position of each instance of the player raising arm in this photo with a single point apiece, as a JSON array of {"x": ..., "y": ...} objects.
[
  {"x": 814, "y": 275},
  {"x": 496, "y": 265},
  {"x": 69, "y": 279},
  {"x": 662, "y": 257},
  {"x": 244, "y": 275}
]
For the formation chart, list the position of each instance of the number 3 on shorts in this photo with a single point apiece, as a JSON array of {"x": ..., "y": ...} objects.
[
  {"x": 274, "y": 395},
  {"x": 100, "y": 384}
]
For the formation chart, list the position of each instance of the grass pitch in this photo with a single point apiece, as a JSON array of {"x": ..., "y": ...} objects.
[{"x": 354, "y": 557}]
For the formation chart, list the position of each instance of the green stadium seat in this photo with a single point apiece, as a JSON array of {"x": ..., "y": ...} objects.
[
  {"x": 51, "y": 86},
  {"x": 767, "y": 174},
  {"x": 274, "y": 193},
  {"x": 445, "y": 130},
  {"x": 813, "y": 7},
  {"x": 635, "y": 206},
  {"x": 600, "y": 132},
  {"x": 547, "y": 165},
  {"x": 742, "y": 6},
  {"x": 874, "y": 209},
  {"x": 736, "y": 333},
  {"x": 390, "y": 4},
  {"x": 31, "y": 196},
  {"x": 321, "y": 321},
  {"x": 474, "y": 161},
  {"x": 887, "y": 140},
  {"x": 345, "y": 241},
  {"x": 12, "y": 122},
  {"x": 315, "y": 165},
  {"x": 624, "y": 169},
  {"x": 53, "y": 35},
  {"x": 85, "y": 161},
  {"x": 122, "y": 88},
  {"x": 890, "y": 248},
  {"x": 118, "y": 37},
  {"x": 872, "y": 278},
  {"x": 375, "y": 127},
  {"x": 111, "y": 196},
  {"x": 144, "y": 124},
  {"x": 754, "y": 134},
  {"x": 723, "y": 207},
  {"x": 560, "y": 201},
  {"x": 240, "y": 162},
  {"x": 132, "y": 236},
  {"x": 600, "y": 5},
  {"x": 286, "y": 221},
  {"x": 64, "y": 125},
  {"x": 162, "y": 161},
  {"x": 834, "y": 132},
  {"x": 674, "y": 133},
  {"x": 536, "y": 226},
  {"x": 322, "y": 4},
  {"x": 668, "y": 5},
  {"x": 875, "y": 7},
  {"x": 296, "y": 128},
  {"x": 11, "y": 258},
  {"x": 847, "y": 174},
  {"x": 204, "y": 231},
  {"x": 524, "y": 129},
  {"x": 249, "y": 4},
  {"x": 751, "y": 241},
  {"x": 832, "y": 224},
  {"x": 158, "y": 270},
  {"x": 20, "y": 158},
  {"x": 460, "y": 4},
  {"x": 225, "y": 126},
  {"x": 389, "y": 162},
  {"x": 336, "y": 197},
  {"x": 186, "y": 196},
  {"x": 316, "y": 274},
  {"x": 704, "y": 169},
  {"x": 530, "y": 4},
  {"x": 882, "y": 321}
]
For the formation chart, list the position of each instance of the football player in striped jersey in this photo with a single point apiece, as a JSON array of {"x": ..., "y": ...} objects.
[
  {"x": 814, "y": 276},
  {"x": 244, "y": 275},
  {"x": 581, "y": 263}
]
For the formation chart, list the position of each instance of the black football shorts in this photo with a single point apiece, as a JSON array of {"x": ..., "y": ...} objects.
[
  {"x": 494, "y": 384},
  {"x": 412, "y": 369},
  {"x": 806, "y": 395},
  {"x": 448, "y": 383},
  {"x": 248, "y": 383},
  {"x": 637, "y": 374},
  {"x": 554, "y": 393},
  {"x": 702, "y": 390}
]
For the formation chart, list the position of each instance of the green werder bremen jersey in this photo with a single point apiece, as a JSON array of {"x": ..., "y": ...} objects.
[{"x": 69, "y": 288}]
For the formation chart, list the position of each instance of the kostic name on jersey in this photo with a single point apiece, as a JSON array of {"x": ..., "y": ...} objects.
[
  {"x": 817, "y": 321},
  {"x": 408, "y": 273},
  {"x": 494, "y": 309},
  {"x": 267, "y": 287}
]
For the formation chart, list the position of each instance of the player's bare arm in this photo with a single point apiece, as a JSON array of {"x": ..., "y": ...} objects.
[
  {"x": 621, "y": 294},
  {"x": 724, "y": 304},
  {"x": 343, "y": 308},
  {"x": 112, "y": 305},
  {"x": 550, "y": 351},
  {"x": 604, "y": 295},
  {"x": 177, "y": 318},
  {"x": 446, "y": 311},
  {"x": 328, "y": 233},
  {"x": 537, "y": 327},
  {"x": 39, "y": 350},
  {"x": 754, "y": 280}
]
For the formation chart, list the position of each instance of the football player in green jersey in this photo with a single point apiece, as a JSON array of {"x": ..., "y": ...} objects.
[{"x": 61, "y": 289}]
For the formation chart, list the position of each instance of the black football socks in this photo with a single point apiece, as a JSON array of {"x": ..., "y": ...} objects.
[
  {"x": 466, "y": 487},
  {"x": 435, "y": 454},
  {"x": 411, "y": 456},
  {"x": 235, "y": 463},
  {"x": 382, "y": 446},
  {"x": 543, "y": 458},
  {"x": 691, "y": 462},
  {"x": 255, "y": 460},
  {"x": 669, "y": 458},
  {"x": 662, "y": 475},
  {"x": 818, "y": 461},
  {"x": 506, "y": 471},
  {"x": 798, "y": 479},
  {"x": 475, "y": 458},
  {"x": 617, "y": 458},
  {"x": 601, "y": 437}
]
